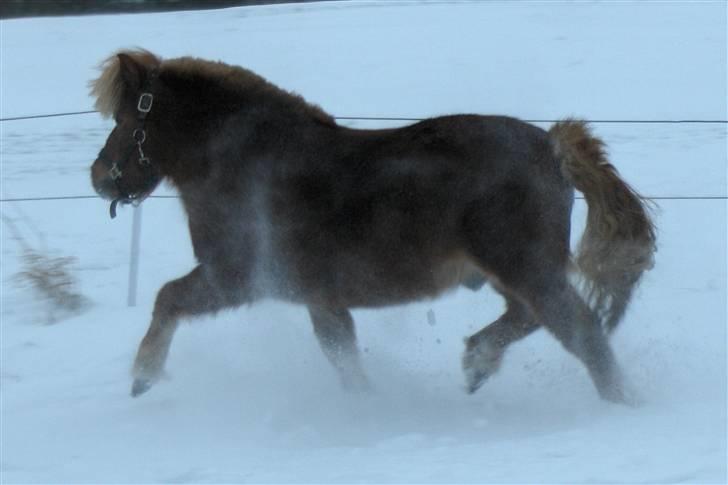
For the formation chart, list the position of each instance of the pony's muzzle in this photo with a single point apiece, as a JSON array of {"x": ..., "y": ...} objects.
[{"x": 102, "y": 182}]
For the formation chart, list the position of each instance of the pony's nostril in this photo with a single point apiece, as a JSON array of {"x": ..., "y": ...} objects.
[{"x": 104, "y": 188}]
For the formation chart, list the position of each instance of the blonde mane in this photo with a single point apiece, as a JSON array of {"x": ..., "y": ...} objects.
[{"x": 108, "y": 88}]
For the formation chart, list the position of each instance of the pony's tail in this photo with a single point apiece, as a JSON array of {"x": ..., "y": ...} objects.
[{"x": 618, "y": 244}]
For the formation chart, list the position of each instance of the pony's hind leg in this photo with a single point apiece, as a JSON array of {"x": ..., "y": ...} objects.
[
  {"x": 193, "y": 294},
  {"x": 579, "y": 330},
  {"x": 559, "y": 308},
  {"x": 334, "y": 329},
  {"x": 484, "y": 350},
  {"x": 529, "y": 259}
]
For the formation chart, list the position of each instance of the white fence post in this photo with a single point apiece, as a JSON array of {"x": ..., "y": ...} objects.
[{"x": 136, "y": 229}]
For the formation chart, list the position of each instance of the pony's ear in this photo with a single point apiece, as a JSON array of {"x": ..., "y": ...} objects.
[{"x": 132, "y": 72}]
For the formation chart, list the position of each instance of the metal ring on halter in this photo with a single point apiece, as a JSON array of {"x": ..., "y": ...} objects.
[{"x": 139, "y": 135}]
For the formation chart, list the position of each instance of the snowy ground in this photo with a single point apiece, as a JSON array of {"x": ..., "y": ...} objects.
[{"x": 251, "y": 398}]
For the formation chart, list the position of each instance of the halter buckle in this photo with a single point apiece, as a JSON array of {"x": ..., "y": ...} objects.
[{"x": 145, "y": 103}]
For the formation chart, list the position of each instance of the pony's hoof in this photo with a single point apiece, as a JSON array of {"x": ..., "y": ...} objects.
[
  {"x": 622, "y": 395},
  {"x": 479, "y": 363},
  {"x": 140, "y": 386},
  {"x": 475, "y": 378},
  {"x": 474, "y": 382}
]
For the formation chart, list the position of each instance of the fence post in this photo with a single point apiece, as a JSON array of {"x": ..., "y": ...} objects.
[{"x": 136, "y": 229}]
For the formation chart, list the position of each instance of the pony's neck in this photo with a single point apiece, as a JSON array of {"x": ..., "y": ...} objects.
[
  {"x": 218, "y": 89},
  {"x": 208, "y": 109}
]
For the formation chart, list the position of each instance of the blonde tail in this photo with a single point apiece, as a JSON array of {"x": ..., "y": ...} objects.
[{"x": 619, "y": 242}]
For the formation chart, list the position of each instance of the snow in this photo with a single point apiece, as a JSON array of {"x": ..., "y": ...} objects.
[{"x": 250, "y": 396}]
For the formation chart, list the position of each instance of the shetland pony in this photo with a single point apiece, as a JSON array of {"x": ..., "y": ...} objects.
[{"x": 285, "y": 203}]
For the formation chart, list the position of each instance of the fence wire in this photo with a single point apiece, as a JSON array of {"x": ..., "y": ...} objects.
[
  {"x": 404, "y": 118},
  {"x": 380, "y": 118},
  {"x": 81, "y": 197}
]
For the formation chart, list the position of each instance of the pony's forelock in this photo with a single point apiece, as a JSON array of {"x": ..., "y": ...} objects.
[{"x": 108, "y": 88}]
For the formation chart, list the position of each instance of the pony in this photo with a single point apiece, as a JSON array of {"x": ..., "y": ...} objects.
[{"x": 284, "y": 203}]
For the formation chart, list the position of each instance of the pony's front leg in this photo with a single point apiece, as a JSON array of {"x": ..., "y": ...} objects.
[
  {"x": 194, "y": 294},
  {"x": 334, "y": 328}
]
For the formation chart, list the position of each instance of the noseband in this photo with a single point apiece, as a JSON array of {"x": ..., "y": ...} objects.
[{"x": 139, "y": 135}]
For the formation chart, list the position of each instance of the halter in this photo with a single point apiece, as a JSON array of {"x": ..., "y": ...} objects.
[{"x": 139, "y": 135}]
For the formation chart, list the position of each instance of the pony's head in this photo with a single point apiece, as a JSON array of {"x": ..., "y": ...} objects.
[{"x": 124, "y": 171}]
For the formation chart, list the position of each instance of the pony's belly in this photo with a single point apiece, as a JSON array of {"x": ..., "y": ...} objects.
[{"x": 357, "y": 284}]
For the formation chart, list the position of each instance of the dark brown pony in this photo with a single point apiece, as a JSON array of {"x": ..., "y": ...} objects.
[{"x": 285, "y": 203}]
